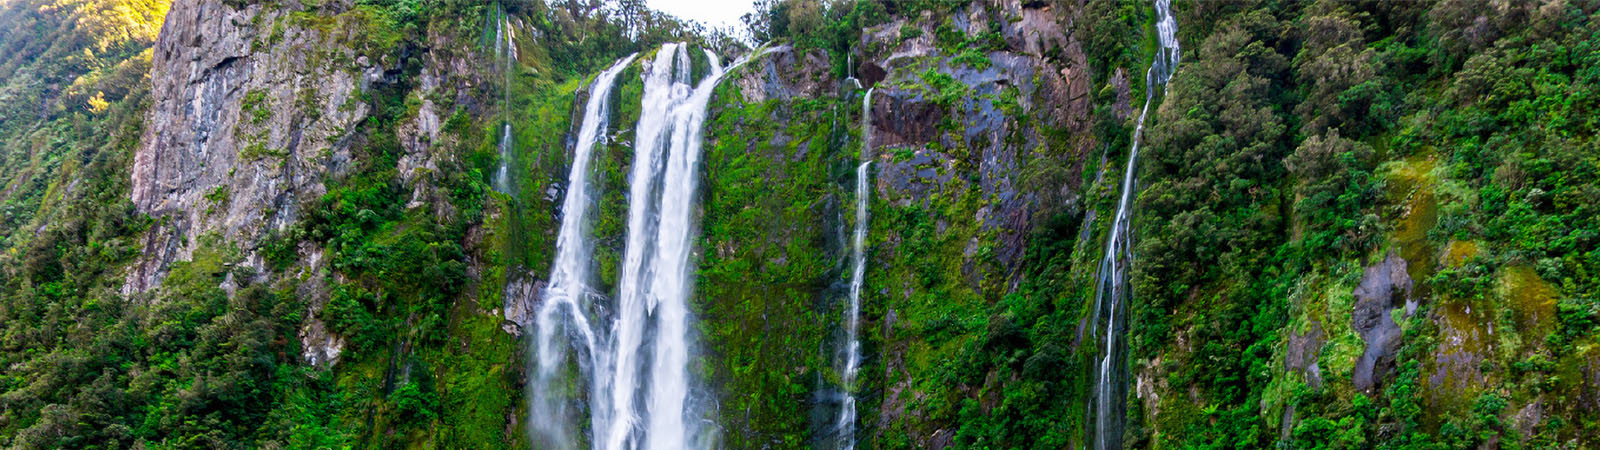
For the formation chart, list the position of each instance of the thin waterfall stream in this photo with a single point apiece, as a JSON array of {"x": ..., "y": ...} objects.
[
  {"x": 1111, "y": 280},
  {"x": 506, "y": 51},
  {"x": 858, "y": 272}
]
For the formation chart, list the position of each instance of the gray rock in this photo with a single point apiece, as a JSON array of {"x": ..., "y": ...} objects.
[
  {"x": 255, "y": 112},
  {"x": 1124, "y": 105},
  {"x": 1528, "y": 418},
  {"x": 258, "y": 121},
  {"x": 1302, "y": 352},
  {"x": 521, "y": 299},
  {"x": 1383, "y": 287}
]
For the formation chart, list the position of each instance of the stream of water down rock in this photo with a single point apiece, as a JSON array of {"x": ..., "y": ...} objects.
[{"x": 1107, "y": 410}]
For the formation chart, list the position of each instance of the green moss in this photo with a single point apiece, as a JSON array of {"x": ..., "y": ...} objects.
[
  {"x": 909, "y": 32},
  {"x": 762, "y": 285},
  {"x": 255, "y": 106},
  {"x": 1530, "y": 299}
]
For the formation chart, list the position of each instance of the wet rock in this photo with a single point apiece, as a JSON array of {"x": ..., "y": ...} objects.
[
  {"x": 912, "y": 179},
  {"x": 1384, "y": 287},
  {"x": 521, "y": 299},
  {"x": 1528, "y": 418},
  {"x": 870, "y": 73},
  {"x": 942, "y": 439},
  {"x": 904, "y": 118},
  {"x": 1302, "y": 352},
  {"x": 1124, "y": 105}
]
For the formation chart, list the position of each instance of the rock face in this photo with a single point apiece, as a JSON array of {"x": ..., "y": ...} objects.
[
  {"x": 909, "y": 120},
  {"x": 1384, "y": 287},
  {"x": 245, "y": 124},
  {"x": 976, "y": 149},
  {"x": 1302, "y": 354},
  {"x": 521, "y": 299},
  {"x": 255, "y": 107}
]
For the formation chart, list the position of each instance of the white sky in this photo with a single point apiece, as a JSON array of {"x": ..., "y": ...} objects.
[{"x": 713, "y": 13}]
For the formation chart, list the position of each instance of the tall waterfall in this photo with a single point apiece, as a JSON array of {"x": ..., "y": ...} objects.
[
  {"x": 566, "y": 305},
  {"x": 640, "y": 391},
  {"x": 650, "y": 389},
  {"x": 858, "y": 272},
  {"x": 1111, "y": 289}
]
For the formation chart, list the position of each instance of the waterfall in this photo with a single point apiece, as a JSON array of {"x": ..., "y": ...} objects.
[
  {"x": 1111, "y": 280},
  {"x": 858, "y": 276},
  {"x": 647, "y": 396},
  {"x": 566, "y": 300},
  {"x": 503, "y": 46},
  {"x": 502, "y": 179}
]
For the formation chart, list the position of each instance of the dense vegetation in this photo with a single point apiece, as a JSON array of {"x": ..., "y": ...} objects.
[
  {"x": 213, "y": 358},
  {"x": 1298, "y": 144}
]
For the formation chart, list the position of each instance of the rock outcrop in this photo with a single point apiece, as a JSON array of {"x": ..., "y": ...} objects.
[
  {"x": 244, "y": 126},
  {"x": 1384, "y": 287},
  {"x": 978, "y": 133},
  {"x": 521, "y": 299},
  {"x": 973, "y": 141},
  {"x": 255, "y": 107}
]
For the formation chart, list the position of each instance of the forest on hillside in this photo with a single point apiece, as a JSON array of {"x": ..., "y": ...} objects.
[{"x": 894, "y": 224}]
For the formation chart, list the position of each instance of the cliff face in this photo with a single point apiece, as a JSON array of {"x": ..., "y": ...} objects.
[
  {"x": 973, "y": 155},
  {"x": 250, "y": 114},
  {"x": 980, "y": 130}
]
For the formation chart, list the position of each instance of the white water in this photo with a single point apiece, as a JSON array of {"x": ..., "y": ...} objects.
[
  {"x": 567, "y": 299},
  {"x": 502, "y": 181},
  {"x": 648, "y": 396},
  {"x": 858, "y": 273},
  {"x": 504, "y": 47},
  {"x": 1111, "y": 281}
]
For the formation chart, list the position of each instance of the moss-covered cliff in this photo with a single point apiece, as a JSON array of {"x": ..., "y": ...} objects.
[{"x": 275, "y": 223}]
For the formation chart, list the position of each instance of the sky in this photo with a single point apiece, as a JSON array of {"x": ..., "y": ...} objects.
[{"x": 714, "y": 13}]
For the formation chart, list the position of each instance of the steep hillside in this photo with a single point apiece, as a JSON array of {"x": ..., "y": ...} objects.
[{"x": 339, "y": 224}]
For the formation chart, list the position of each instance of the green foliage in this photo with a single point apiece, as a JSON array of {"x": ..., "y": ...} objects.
[
  {"x": 416, "y": 405},
  {"x": 761, "y": 292},
  {"x": 909, "y": 32},
  {"x": 255, "y": 104},
  {"x": 1336, "y": 191},
  {"x": 1111, "y": 31},
  {"x": 1261, "y": 198},
  {"x": 944, "y": 89},
  {"x": 834, "y": 27}
]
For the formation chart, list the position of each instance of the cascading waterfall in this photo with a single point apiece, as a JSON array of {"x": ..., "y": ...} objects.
[
  {"x": 637, "y": 365},
  {"x": 567, "y": 299},
  {"x": 1111, "y": 289},
  {"x": 858, "y": 272},
  {"x": 655, "y": 278}
]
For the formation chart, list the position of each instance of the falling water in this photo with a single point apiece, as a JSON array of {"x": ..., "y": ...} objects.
[
  {"x": 648, "y": 393},
  {"x": 858, "y": 272},
  {"x": 1112, "y": 279},
  {"x": 566, "y": 302},
  {"x": 502, "y": 48},
  {"x": 502, "y": 178}
]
